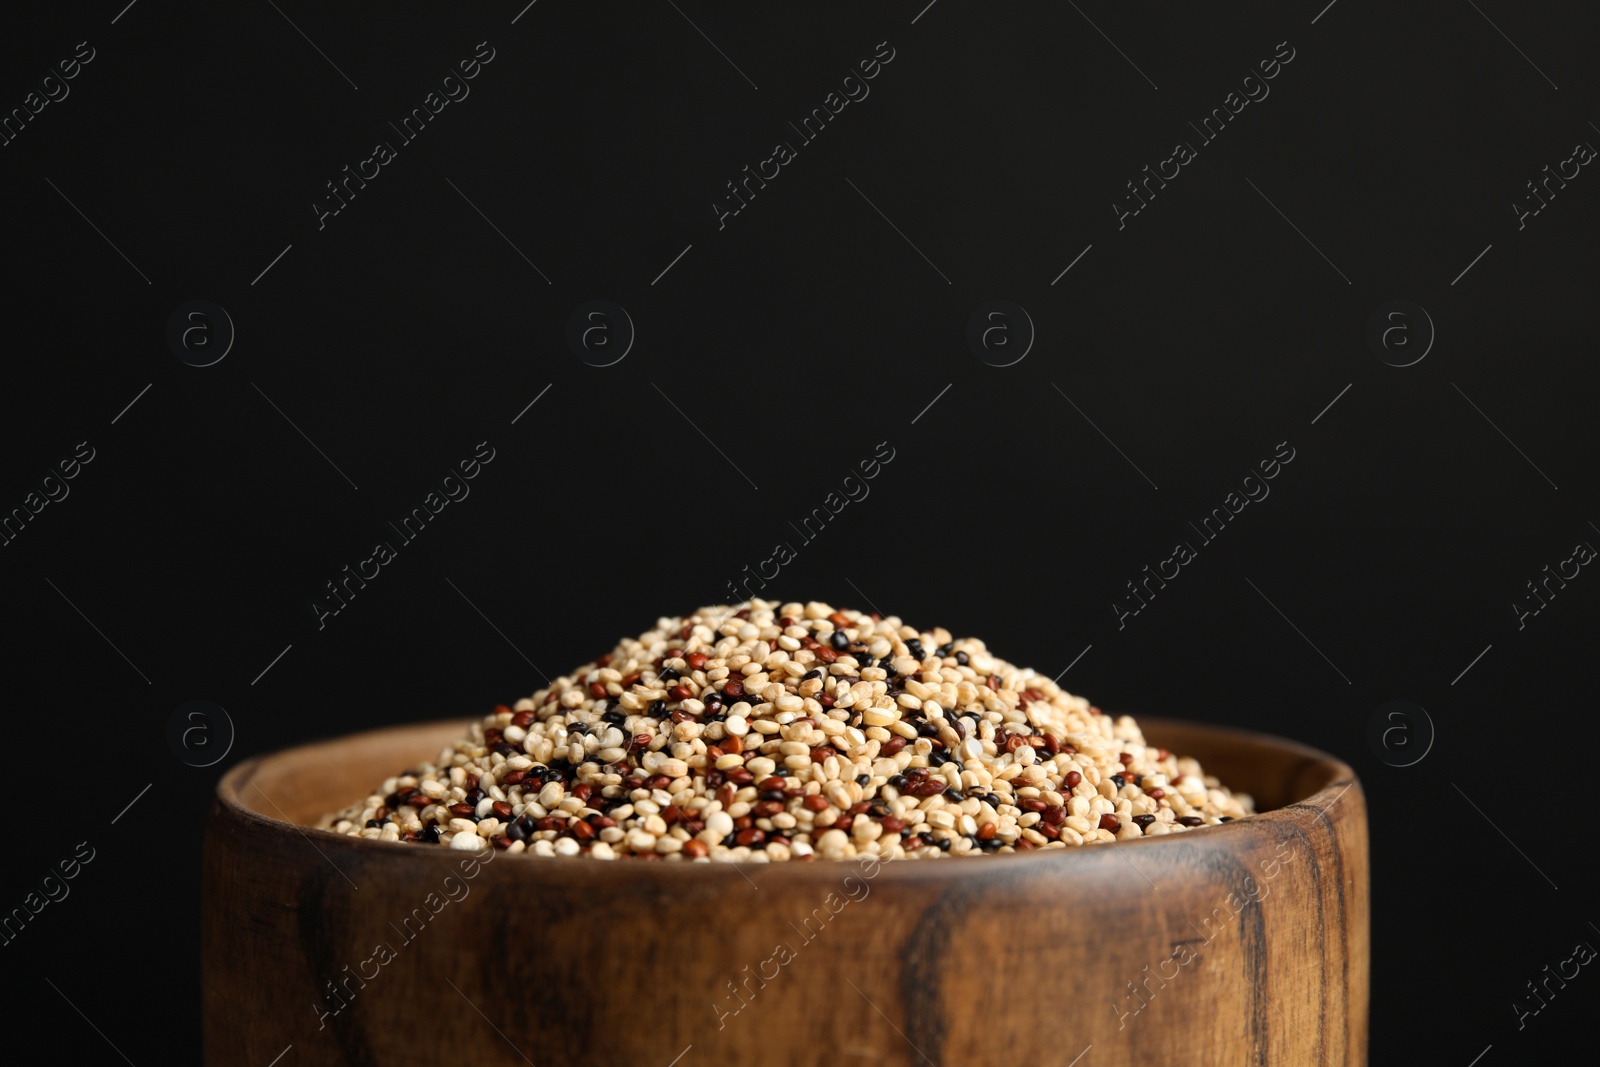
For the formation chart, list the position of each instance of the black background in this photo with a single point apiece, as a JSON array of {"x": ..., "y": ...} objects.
[{"x": 796, "y": 339}]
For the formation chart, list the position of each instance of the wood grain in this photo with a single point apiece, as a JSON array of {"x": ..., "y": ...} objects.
[{"x": 1245, "y": 943}]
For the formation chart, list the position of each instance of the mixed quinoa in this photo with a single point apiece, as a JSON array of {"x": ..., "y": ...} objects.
[{"x": 765, "y": 732}]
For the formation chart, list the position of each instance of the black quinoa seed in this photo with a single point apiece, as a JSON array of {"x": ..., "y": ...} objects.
[
  {"x": 429, "y": 835},
  {"x": 373, "y": 824},
  {"x": 1190, "y": 820},
  {"x": 962, "y": 659},
  {"x": 915, "y": 648},
  {"x": 1144, "y": 820},
  {"x": 863, "y": 779},
  {"x": 944, "y": 650},
  {"x": 657, "y": 708},
  {"x": 839, "y": 641},
  {"x": 615, "y": 718},
  {"x": 669, "y": 675},
  {"x": 1118, "y": 781}
]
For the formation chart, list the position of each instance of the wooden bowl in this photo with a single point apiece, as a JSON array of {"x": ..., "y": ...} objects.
[{"x": 1240, "y": 943}]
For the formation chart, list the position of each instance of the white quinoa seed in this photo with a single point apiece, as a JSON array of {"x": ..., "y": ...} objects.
[{"x": 764, "y": 732}]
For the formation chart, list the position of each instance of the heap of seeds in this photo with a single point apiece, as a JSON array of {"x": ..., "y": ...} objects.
[{"x": 764, "y": 732}]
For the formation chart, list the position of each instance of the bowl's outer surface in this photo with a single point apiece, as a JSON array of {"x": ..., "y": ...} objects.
[{"x": 1245, "y": 943}]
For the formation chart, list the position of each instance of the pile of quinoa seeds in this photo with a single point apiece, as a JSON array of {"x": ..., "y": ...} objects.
[{"x": 765, "y": 732}]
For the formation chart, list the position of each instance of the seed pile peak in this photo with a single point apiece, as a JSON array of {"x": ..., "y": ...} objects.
[{"x": 767, "y": 732}]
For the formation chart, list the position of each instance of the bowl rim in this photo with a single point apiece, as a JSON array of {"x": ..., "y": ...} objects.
[{"x": 1342, "y": 778}]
